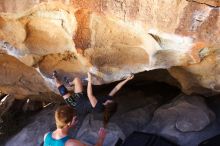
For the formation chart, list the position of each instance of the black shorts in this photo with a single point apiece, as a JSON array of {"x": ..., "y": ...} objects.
[
  {"x": 80, "y": 102},
  {"x": 105, "y": 98},
  {"x": 99, "y": 107}
]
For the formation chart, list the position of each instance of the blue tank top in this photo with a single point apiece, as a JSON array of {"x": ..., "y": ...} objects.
[{"x": 50, "y": 141}]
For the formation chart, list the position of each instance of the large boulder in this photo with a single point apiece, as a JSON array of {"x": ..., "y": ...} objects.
[{"x": 182, "y": 119}]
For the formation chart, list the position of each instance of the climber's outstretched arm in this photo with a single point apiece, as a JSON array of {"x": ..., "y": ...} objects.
[{"x": 120, "y": 85}]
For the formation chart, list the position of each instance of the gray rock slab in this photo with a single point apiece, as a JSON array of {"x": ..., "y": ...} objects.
[{"x": 186, "y": 120}]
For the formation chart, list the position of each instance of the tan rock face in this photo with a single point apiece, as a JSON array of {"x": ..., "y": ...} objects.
[
  {"x": 148, "y": 12},
  {"x": 42, "y": 30},
  {"x": 112, "y": 39},
  {"x": 215, "y": 3},
  {"x": 199, "y": 77},
  {"x": 19, "y": 79},
  {"x": 202, "y": 23}
]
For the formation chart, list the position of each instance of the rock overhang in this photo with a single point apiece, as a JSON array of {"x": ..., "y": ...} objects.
[{"x": 53, "y": 36}]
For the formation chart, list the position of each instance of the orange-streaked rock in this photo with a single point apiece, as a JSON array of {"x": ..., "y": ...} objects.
[{"x": 112, "y": 39}]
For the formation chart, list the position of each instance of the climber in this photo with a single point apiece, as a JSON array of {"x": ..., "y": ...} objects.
[
  {"x": 66, "y": 118},
  {"x": 105, "y": 104},
  {"x": 79, "y": 99}
]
